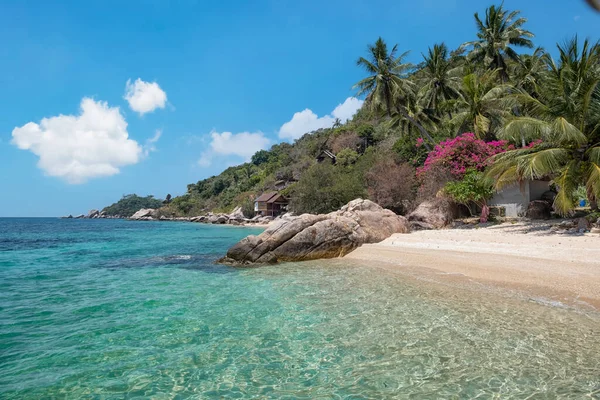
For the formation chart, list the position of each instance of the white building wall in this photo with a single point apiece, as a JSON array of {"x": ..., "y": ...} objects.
[{"x": 515, "y": 199}]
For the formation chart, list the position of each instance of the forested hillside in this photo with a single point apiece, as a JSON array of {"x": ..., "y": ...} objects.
[{"x": 494, "y": 111}]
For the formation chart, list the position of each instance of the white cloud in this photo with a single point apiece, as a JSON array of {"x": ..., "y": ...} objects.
[
  {"x": 150, "y": 147},
  {"x": 144, "y": 97},
  {"x": 307, "y": 121},
  {"x": 243, "y": 144},
  {"x": 78, "y": 148}
]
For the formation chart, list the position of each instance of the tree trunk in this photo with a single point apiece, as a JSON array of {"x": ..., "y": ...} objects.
[{"x": 424, "y": 132}]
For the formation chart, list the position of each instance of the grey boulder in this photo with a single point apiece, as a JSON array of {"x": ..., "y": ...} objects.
[{"x": 310, "y": 237}]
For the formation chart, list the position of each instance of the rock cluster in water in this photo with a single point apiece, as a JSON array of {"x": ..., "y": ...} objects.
[{"x": 309, "y": 237}]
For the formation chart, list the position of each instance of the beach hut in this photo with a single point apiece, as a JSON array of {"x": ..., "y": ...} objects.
[
  {"x": 516, "y": 198},
  {"x": 270, "y": 204}
]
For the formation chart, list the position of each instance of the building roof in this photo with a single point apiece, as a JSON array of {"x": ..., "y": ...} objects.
[
  {"x": 271, "y": 197},
  {"x": 277, "y": 199},
  {"x": 266, "y": 196}
]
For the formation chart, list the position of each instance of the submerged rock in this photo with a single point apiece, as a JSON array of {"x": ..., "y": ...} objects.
[
  {"x": 433, "y": 214},
  {"x": 309, "y": 237}
]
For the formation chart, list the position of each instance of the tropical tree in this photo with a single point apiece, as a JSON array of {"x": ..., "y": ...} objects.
[
  {"x": 497, "y": 34},
  {"x": 387, "y": 78},
  {"x": 482, "y": 106},
  {"x": 566, "y": 118},
  {"x": 439, "y": 78},
  {"x": 388, "y": 88},
  {"x": 531, "y": 70}
]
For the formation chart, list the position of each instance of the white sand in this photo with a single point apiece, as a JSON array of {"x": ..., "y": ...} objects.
[{"x": 525, "y": 256}]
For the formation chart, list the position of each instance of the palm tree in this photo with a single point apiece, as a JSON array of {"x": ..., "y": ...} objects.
[
  {"x": 439, "y": 78},
  {"x": 482, "y": 105},
  {"x": 387, "y": 80},
  {"x": 496, "y": 35},
  {"x": 388, "y": 88},
  {"x": 529, "y": 73},
  {"x": 566, "y": 118}
]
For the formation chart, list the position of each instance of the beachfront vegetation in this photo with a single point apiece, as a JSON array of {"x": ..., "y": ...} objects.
[
  {"x": 497, "y": 106},
  {"x": 130, "y": 203}
]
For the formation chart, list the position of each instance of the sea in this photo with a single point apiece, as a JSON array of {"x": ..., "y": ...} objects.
[{"x": 115, "y": 309}]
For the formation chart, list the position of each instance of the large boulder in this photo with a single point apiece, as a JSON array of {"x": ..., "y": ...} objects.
[
  {"x": 237, "y": 214},
  {"x": 433, "y": 214},
  {"x": 93, "y": 214},
  {"x": 309, "y": 237},
  {"x": 143, "y": 214},
  {"x": 539, "y": 209}
]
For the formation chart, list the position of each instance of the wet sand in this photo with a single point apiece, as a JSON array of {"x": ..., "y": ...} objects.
[{"x": 561, "y": 268}]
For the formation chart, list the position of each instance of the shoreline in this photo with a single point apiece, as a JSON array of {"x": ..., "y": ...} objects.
[{"x": 545, "y": 267}]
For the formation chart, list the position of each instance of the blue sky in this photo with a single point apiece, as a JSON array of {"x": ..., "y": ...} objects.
[{"x": 214, "y": 77}]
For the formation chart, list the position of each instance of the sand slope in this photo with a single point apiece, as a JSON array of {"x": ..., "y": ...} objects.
[{"x": 525, "y": 256}]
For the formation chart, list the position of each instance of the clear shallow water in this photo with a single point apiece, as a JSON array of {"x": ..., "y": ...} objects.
[{"x": 117, "y": 309}]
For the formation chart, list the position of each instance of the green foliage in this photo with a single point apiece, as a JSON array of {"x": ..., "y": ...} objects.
[
  {"x": 130, "y": 204},
  {"x": 473, "y": 188},
  {"x": 248, "y": 208},
  {"x": 260, "y": 157},
  {"x": 408, "y": 150},
  {"x": 324, "y": 188},
  {"x": 347, "y": 157}
]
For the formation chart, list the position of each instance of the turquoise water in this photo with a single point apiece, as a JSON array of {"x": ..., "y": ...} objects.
[{"x": 103, "y": 309}]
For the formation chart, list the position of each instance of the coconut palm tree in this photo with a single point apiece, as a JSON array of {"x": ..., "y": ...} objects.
[
  {"x": 439, "y": 78},
  {"x": 388, "y": 87},
  {"x": 482, "y": 105},
  {"x": 566, "y": 118},
  {"x": 529, "y": 73},
  {"x": 497, "y": 34},
  {"x": 387, "y": 78}
]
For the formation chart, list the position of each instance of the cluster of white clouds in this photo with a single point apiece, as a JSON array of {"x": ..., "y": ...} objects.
[
  {"x": 144, "y": 97},
  {"x": 94, "y": 143},
  {"x": 245, "y": 144},
  {"x": 307, "y": 121}
]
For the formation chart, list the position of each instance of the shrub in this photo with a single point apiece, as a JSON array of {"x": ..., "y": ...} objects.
[
  {"x": 410, "y": 150},
  {"x": 324, "y": 188},
  {"x": 463, "y": 153},
  {"x": 473, "y": 188},
  {"x": 346, "y": 140},
  {"x": 346, "y": 157},
  {"x": 391, "y": 185}
]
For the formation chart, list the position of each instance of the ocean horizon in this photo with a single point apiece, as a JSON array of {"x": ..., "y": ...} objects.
[{"x": 139, "y": 309}]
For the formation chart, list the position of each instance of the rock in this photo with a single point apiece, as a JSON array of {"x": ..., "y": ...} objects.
[
  {"x": 80, "y": 216},
  {"x": 142, "y": 214},
  {"x": 595, "y": 230},
  {"x": 539, "y": 209},
  {"x": 234, "y": 222},
  {"x": 583, "y": 225},
  {"x": 93, "y": 214},
  {"x": 222, "y": 219},
  {"x": 309, "y": 237},
  {"x": 433, "y": 214},
  {"x": 237, "y": 214}
]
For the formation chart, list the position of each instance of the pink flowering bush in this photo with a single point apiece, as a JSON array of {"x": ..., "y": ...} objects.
[{"x": 461, "y": 154}]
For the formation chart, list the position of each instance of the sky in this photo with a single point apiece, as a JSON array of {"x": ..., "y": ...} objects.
[{"x": 105, "y": 98}]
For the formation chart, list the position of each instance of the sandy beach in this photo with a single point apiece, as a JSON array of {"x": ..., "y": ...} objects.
[{"x": 526, "y": 257}]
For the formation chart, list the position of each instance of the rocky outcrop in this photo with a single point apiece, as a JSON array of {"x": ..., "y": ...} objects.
[
  {"x": 438, "y": 213},
  {"x": 309, "y": 237},
  {"x": 143, "y": 214},
  {"x": 93, "y": 214},
  {"x": 539, "y": 209}
]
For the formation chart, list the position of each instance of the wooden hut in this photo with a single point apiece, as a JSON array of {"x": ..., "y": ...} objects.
[{"x": 270, "y": 204}]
